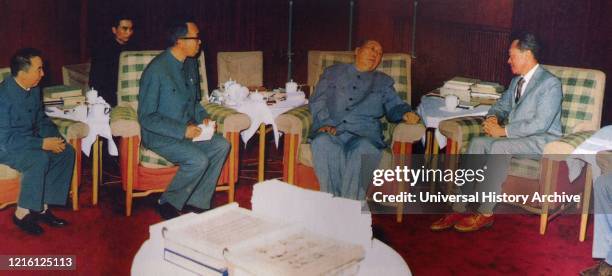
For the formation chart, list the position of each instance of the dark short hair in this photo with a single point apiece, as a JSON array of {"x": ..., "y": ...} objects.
[
  {"x": 528, "y": 41},
  {"x": 118, "y": 17},
  {"x": 22, "y": 60},
  {"x": 176, "y": 30}
]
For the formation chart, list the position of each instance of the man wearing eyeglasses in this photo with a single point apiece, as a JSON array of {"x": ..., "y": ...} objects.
[{"x": 169, "y": 112}]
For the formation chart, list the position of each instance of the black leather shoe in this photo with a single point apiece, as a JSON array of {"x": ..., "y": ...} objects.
[
  {"x": 167, "y": 211},
  {"x": 50, "y": 219},
  {"x": 28, "y": 224},
  {"x": 193, "y": 209}
]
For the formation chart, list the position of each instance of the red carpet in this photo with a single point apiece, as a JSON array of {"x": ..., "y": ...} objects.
[{"x": 105, "y": 241}]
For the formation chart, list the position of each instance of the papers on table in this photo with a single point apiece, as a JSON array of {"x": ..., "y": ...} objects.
[{"x": 336, "y": 217}]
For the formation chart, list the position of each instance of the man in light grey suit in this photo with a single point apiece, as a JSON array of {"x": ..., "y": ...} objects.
[{"x": 524, "y": 119}]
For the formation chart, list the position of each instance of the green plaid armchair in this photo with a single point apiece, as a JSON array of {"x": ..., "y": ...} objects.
[
  {"x": 143, "y": 171},
  {"x": 296, "y": 123},
  {"x": 583, "y": 91},
  {"x": 73, "y": 132}
]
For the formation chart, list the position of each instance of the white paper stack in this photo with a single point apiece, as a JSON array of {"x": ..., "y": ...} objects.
[
  {"x": 458, "y": 86},
  {"x": 319, "y": 212},
  {"x": 487, "y": 90}
]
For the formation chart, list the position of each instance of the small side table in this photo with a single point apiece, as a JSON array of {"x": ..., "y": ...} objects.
[{"x": 432, "y": 112}]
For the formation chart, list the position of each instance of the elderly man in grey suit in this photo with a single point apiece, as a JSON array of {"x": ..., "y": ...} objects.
[
  {"x": 169, "y": 113},
  {"x": 531, "y": 111},
  {"x": 346, "y": 109}
]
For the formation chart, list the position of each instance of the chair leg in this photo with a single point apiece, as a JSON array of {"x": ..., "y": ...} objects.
[
  {"x": 130, "y": 177},
  {"x": 95, "y": 167},
  {"x": 74, "y": 184},
  {"x": 400, "y": 206},
  {"x": 292, "y": 158},
  {"x": 586, "y": 198},
  {"x": 547, "y": 184},
  {"x": 235, "y": 143}
]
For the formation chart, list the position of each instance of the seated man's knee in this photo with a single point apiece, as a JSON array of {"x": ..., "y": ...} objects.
[
  {"x": 364, "y": 146},
  {"x": 501, "y": 147},
  {"x": 197, "y": 161},
  {"x": 479, "y": 144},
  {"x": 37, "y": 159},
  {"x": 322, "y": 140}
]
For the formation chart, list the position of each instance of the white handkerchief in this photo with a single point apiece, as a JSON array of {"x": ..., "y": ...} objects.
[{"x": 207, "y": 131}]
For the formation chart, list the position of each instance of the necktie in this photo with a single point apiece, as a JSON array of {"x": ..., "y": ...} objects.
[{"x": 519, "y": 87}]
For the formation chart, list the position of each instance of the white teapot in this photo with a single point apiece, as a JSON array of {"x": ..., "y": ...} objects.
[{"x": 291, "y": 87}]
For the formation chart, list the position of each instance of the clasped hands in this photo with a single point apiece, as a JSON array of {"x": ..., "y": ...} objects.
[
  {"x": 409, "y": 118},
  {"x": 194, "y": 131},
  {"x": 492, "y": 128}
]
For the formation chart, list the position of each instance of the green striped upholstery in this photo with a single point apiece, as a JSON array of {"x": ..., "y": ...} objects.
[
  {"x": 70, "y": 129},
  {"x": 303, "y": 114},
  {"x": 575, "y": 139},
  {"x": 7, "y": 172},
  {"x": 525, "y": 167},
  {"x": 580, "y": 114},
  {"x": 579, "y": 96},
  {"x": 218, "y": 113},
  {"x": 4, "y": 73},
  {"x": 123, "y": 113},
  {"x": 470, "y": 128}
]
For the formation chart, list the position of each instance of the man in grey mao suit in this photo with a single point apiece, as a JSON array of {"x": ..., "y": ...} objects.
[
  {"x": 524, "y": 119},
  {"x": 169, "y": 112},
  {"x": 31, "y": 144}
]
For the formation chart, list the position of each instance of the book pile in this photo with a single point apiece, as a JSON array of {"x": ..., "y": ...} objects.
[
  {"x": 62, "y": 95},
  {"x": 230, "y": 239},
  {"x": 487, "y": 90},
  {"x": 458, "y": 86}
]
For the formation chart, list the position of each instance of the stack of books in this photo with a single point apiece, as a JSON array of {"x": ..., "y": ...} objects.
[
  {"x": 460, "y": 87},
  {"x": 487, "y": 90},
  {"x": 62, "y": 95},
  {"x": 233, "y": 240}
]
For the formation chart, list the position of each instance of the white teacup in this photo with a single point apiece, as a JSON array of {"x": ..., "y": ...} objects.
[
  {"x": 451, "y": 102},
  {"x": 92, "y": 96},
  {"x": 291, "y": 87}
]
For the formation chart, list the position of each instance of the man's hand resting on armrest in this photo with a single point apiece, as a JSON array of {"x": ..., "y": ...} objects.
[
  {"x": 54, "y": 144},
  {"x": 411, "y": 118},
  {"x": 328, "y": 129},
  {"x": 604, "y": 161}
]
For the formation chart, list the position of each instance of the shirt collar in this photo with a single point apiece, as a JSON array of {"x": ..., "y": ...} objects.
[
  {"x": 175, "y": 62},
  {"x": 529, "y": 74}
]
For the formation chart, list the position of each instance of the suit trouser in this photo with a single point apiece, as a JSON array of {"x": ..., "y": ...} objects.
[
  {"x": 200, "y": 165},
  {"x": 499, "y": 152},
  {"x": 45, "y": 176},
  {"x": 340, "y": 166},
  {"x": 602, "y": 236}
]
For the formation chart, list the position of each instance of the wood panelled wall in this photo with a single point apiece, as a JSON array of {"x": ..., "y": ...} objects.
[
  {"x": 51, "y": 26},
  {"x": 453, "y": 37},
  {"x": 461, "y": 37},
  {"x": 573, "y": 33}
]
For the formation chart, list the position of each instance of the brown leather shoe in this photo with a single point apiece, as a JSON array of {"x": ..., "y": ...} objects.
[
  {"x": 447, "y": 221},
  {"x": 474, "y": 222},
  {"x": 600, "y": 269}
]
